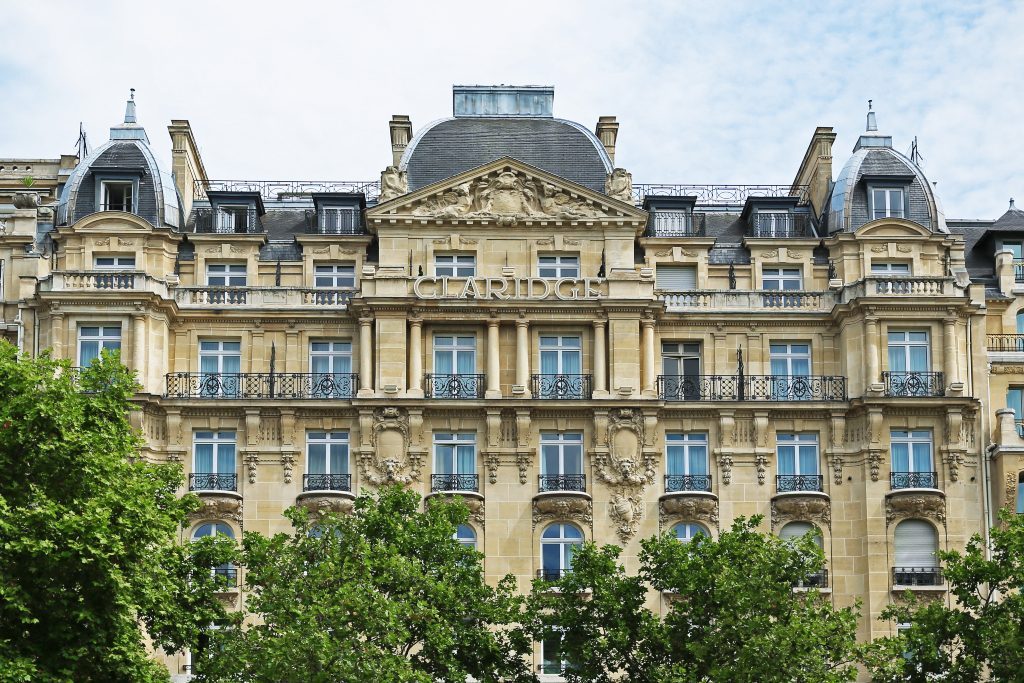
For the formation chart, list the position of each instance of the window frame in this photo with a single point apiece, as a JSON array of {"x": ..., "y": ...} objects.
[
  {"x": 906, "y": 343},
  {"x": 560, "y": 442},
  {"x": 694, "y": 529},
  {"x": 560, "y": 348},
  {"x": 567, "y": 546},
  {"x": 687, "y": 441},
  {"x": 782, "y": 275},
  {"x": 116, "y": 262},
  {"x": 217, "y": 439},
  {"x": 228, "y": 274},
  {"x": 560, "y": 265},
  {"x": 888, "y": 270},
  {"x": 335, "y": 277},
  {"x": 454, "y": 441},
  {"x": 797, "y": 441},
  {"x": 233, "y": 211},
  {"x": 102, "y": 184},
  {"x": 102, "y": 337},
  {"x": 888, "y": 189},
  {"x": 913, "y": 437},
  {"x": 329, "y": 439},
  {"x": 339, "y": 226},
  {"x": 455, "y": 264}
]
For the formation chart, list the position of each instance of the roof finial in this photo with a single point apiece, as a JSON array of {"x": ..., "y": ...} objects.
[
  {"x": 129, "y": 110},
  {"x": 872, "y": 124},
  {"x": 1012, "y": 207}
]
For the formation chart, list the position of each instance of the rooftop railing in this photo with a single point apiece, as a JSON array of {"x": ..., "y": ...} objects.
[
  {"x": 227, "y": 221},
  {"x": 335, "y": 221},
  {"x": 725, "y": 195},
  {"x": 676, "y": 224},
  {"x": 780, "y": 225},
  {"x": 288, "y": 189}
]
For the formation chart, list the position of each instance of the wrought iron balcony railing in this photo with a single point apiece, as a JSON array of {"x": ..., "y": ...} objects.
[
  {"x": 288, "y": 385},
  {"x": 780, "y": 225},
  {"x": 1006, "y": 342},
  {"x": 917, "y": 576},
  {"x": 566, "y": 387},
  {"x": 455, "y": 386},
  {"x": 563, "y": 482},
  {"x": 228, "y": 576},
  {"x": 552, "y": 573},
  {"x": 327, "y": 482},
  {"x": 818, "y": 579},
  {"x": 329, "y": 221},
  {"x": 677, "y": 483},
  {"x": 212, "y": 481},
  {"x": 676, "y": 224},
  {"x": 227, "y": 221},
  {"x": 794, "y": 388},
  {"x": 900, "y": 384},
  {"x": 698, "y": 387},
  {"x": 454, "y": 482},
  {"x": 914, "y": 480},
  {"x": 791, "y": 483},
  {"x": 1018, "y": 270}
]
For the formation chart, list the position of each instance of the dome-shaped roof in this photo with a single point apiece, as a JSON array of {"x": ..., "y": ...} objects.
[
  {"x": 451, "y": 146},
  {"x": 874, "y": 160},
  {"x": 126, "y": 155}
]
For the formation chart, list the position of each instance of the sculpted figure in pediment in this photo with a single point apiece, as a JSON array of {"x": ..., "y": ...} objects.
[{"x": 393, "y": 183}]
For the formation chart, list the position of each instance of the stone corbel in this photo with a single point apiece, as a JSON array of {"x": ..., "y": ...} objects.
[
  {"x": 252, "y": 461},
  {"x": 288, "y": 464},
  {"x": 874, "y": 462},
  {"x": 837, "y": 468},
  {"x": 761, "y": 462},
  {"x": 492, "y": 461},
  {"x": 725, "y": 465},
  {"x": 566, "y": 508},
  {"x": 898, "y": 507},
  {"x": 810, "y": 508},
  {"x": 524, "y": 461},
  {"x": 688, "y": 508}
]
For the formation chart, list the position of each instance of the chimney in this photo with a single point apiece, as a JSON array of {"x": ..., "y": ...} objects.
[
  {"x": 186, "y": 163},
  {"x": 607, "y": 131},
  {"x": 401, "y": 133}
]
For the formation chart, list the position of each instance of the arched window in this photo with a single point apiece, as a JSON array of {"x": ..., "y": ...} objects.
[
  {"x": 465, "y": 535},
  {"x": 1020, "y": 493},
  {"x": 687, "y": 531},
  {"x": 558, "y": 544},
  {"x": 228, "y": 571},
  {"x": 795, "y": 530},
  {"x": 917, "y": 564},
  {"x": 1020, "y": 322}
]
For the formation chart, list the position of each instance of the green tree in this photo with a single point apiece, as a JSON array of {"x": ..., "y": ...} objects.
[
  {"x": 733, "y": 614},
  {"x": 981, "y": 636},
  {"x": 383, "y": 594},
  {"x": 88, "y": 530}
]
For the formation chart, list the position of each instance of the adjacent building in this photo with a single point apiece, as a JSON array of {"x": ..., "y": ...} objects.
[{"x": 505, "y": 316}]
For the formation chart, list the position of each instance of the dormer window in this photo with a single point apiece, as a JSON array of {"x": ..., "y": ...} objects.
[
  {"x": 118, "y": 195},
  {"x": 888, "y": 202},
  {"x": 773, "y": 223},
  {"x": 339, "y": 220},
  {"x": 114, "y": 262},
  {"x": 234, "y": 218}
]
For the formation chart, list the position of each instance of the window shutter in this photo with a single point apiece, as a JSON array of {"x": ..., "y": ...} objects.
[
  {"x": 676, "y": 278},
  {"x": 916, "y": 543},
  {"x": 795, "y": 530}
]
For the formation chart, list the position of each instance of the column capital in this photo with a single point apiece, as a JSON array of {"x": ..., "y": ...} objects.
[
  {"x": 600, "y": 322},
  {"x": 522, "y": 322},
  {"x": 366, "y": 321},
  {"x": 415, "y": 322},
  {"x": 648, "y": 323},
  {"x": 493, "y": 322}
]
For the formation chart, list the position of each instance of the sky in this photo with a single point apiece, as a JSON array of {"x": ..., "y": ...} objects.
[{"x": 705, "y": 92}]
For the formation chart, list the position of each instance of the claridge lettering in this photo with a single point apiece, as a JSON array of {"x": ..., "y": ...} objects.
[{"x": 503, "y": 289}]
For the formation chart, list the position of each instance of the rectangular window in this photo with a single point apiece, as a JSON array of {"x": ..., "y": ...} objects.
[
  {"x": 114, "y": 262},
  {"x": 92, "y": 340},
  {"x": 686, "y": 462},
  {"x": 1015, "y": 402},
  {"x": 330, "y": 363},
  {"x": 680, "y": 363},
  {"x": 1013, "y": 247},
  {"x": 220, "y": 363},
  {"x": 225, "y": 274},
  {"x": 339, "y": 220},
  {"x": 552, "y": 662},
  {"x": 327, "y": 454},
  {"x": 908, "y": 351},
  {"x": 555, "y": 267},
  {"x": 455, "y": 265},
  {"x": 790, "y": 360},
  {"x": 213, "y": 462},
  {"x": 774, "y": 223},
  {"x": 234, "y": 218},
  {"x": 671, "y": 223},
  {"x": 887, "y": 202},
  {"x": 797, "y": 454},
  {"x": 560, "y": 355},
  {"x": 912, "y": 459},
  {"x": 454, "y": 453},
  {"x": 890, "y": 268},
  {"x": 335, "y": 275},
  {"x": 561, "y": 454},
  {"x": 454, "y": 355},
  {"x": 117, "y": 195},
  {"x": 676, "y": 278},
  {"x": 782, "y": 279}
]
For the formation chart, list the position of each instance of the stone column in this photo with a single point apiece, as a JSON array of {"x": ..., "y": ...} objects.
[
  {"x": 871, "y": 350},
  {"x": 523, "y": 355},
  {"x": 493, "y": 359},
  {"x": 650, "y": 371},
  {"x": 366, "y": 357},
  {"x": 139, "y": 347},
  {"x": 415, "y": 359},
  {"x": 949, "y": 364},
  {"x": 600, "y": 359}
]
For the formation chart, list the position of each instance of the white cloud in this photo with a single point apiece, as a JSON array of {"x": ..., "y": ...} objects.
[{"x": 725, "y": 92}]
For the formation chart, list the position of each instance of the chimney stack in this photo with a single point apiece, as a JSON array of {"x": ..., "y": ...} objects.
[
  {"x": 607, "y": 131},
  {"x": 401, "y": 133}
]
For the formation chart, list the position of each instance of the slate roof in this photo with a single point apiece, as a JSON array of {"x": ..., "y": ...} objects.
[
  {"x": 978, "y": 254},
  {"x": 452, "y": 146}
]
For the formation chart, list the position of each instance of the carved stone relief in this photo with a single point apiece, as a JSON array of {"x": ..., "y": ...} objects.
[
  {"x": 252, "y": 461},
  {"x": 393, "y": 183},
  {"x": 688, "y": 508},
  {"x": 288, "y": 463},
  {"x": 492, "y": 461},
  {"x": 761, "y": 462},
  {"x": 625, "y": 511},
  {"x": 568, "y": 508},
  {"x": 619, "y": 185},
  {"x": 915, "y": 505},
  {"x": 1011, "y": 490},
  {"x": 625, "y": 464},
  {"x": 218, "y": 507},
  {"x": 801, "y": 508},
  {"x": 523, "y": 462},
  {"x": 389, "y": 461},
  {"x": 323, "y": 504},
  {"x": 725, "y": 464}
]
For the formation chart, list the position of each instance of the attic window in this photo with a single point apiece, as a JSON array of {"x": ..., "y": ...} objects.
[
  {"x": 339, "y": 220},
  {"x": 234, "y": 218},
  {"x": 888, "y": 202},
  {"x": 117, "y": 196}
]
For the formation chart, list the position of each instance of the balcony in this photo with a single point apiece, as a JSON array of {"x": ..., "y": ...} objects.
[
  {"x": 550, "y": 574},
  {"x": 749, "y": 300},
  {"x": 262, "y": 297},
  {"x": 909, "y": 285},
  {"x": 687, "y": 483},
  {"x": 562, "y": 387},
  {"x": 676, "y": 224},
  {"x": 455, "y": 386},
  {"x": 775, "y": 225},
  {"x": 207, "y": 481},
  {"x": 327, "y": 482},
  {"x": 202, "y": 385},
  {"x": 1018, "y": 271},
  {"x": 913, "y": 480},
  {"x": 1006, "y": 343},
  {"x": 102, "y": 281},
  {"x": 818, "y": 579},
  {"x": 454, "y": 483},
  {"x": 916, "y": 576},
  {"x": 227, "y": 577},
  {"x": 330, "y": 221},
  {"x": 904, "y": 384},
  {"x": 798, "y": 483},
  {"x": 233, "y": 221},
  {"x": 549, "y": 483},
  {"x": 751, "y": 388}
]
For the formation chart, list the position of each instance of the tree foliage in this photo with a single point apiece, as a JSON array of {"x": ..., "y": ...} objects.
[
  {"x": 88, "y": 531},
  {"x": 384, "y": 594},
  {"x": 981, "y": 636},
  {"x": 733, "y": 614}
]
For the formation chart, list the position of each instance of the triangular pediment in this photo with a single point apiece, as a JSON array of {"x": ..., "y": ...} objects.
[{"x": 507, "y": 193}]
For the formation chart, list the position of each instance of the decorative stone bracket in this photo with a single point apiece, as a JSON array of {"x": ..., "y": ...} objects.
[
  {"x": 688, "y": 508},
  {"x": 568, "y": 508}
]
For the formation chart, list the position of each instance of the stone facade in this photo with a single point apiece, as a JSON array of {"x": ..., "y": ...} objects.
[{"x": 584, "y": 345}]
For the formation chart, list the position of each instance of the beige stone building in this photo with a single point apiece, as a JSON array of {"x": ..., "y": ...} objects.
[{"x": 507, "y": 317}]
